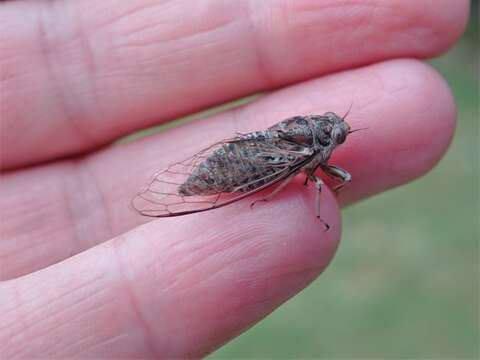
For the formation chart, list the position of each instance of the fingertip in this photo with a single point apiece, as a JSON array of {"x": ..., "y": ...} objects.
[
  {"x": 411, "y": 115},
  {"x": 421, "y": 139},
  {"x": 233, "y": 265},
  {"x": 449, "y": 20}
]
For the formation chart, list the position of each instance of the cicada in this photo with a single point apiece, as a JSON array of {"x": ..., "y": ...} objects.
[{"x": 235, "y": 168}]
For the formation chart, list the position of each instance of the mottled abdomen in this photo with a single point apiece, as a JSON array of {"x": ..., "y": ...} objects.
[{"x": 235, "y": 167}]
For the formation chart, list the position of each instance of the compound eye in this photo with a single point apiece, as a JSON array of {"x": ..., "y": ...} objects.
[{"x": 339, "y": 135}]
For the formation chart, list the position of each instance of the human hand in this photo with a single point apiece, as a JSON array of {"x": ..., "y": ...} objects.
[{"x": 81, "y": 275}]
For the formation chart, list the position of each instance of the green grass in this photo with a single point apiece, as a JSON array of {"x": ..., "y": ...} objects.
[{"x": 405, "y": 281}]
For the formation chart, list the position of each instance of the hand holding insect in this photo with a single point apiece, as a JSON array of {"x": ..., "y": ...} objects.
[{"x": 84, "y": 276}]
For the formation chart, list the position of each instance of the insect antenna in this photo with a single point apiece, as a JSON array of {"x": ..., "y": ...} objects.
[
  {"x": 348, "y": 111},
  {"x": 355, "y": 130}
]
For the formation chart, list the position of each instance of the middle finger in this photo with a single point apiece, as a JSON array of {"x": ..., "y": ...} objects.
[{"x": 78, "y": 74}]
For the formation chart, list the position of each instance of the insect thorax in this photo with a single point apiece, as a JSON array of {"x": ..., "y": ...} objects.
[{"x": 250, "y": 162}]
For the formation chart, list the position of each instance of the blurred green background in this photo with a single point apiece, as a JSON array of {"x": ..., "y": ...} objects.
[{"x": 405, "y": 281}]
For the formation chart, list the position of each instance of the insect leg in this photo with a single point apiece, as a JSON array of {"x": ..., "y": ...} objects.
[
  {"x": 277, "y": 189},
  {"x": 337, "y": 173},
  {"x": 310, "y": 169},
  {"x": 318, "y": 184}
]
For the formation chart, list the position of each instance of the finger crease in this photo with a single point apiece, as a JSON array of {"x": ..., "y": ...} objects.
[
  {"x": 134, "y": 301},
  {"x": 86, "y": 207},
  {"x": 55, "y": 49},
  {"x": 263, "y": 65}
]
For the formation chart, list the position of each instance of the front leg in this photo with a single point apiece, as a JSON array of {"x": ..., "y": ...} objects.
[
  {"x": 318, "y": 185},
  {"x": 337, "y": 173}
]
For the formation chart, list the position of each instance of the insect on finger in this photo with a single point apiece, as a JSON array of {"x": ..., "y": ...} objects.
[{"x": 235, "y": 168}]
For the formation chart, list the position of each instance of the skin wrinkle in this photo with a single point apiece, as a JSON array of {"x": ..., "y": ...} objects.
[
  {"x": 16, "y": 305},
  {"x": 95, "y": 188},
  {"x": 316, "y": 268},
  {"x": 69, "y": 206},
  {"x": 135, "y": 304},
  {"x": 55, "y": 328},
  {"x": 9, "y": 75},
  {"x": 20, "y": 318},
  {"x": 264, "y": 65},
  {"x": 192, "y": 245},
  {"x": 175, "y": 43},
  {"x": 87, "y": 315},
  {"x": 148, "y": 69},
  {"x": 263, "y": 286},
  {"x": 400, "y": 25},
  {"x": 32, "y": 312},
  {"x": 178, "y": 56},
  {"x": 36, "y": 231},
  {"x": 323, "y": 13},
  {"x": 82, "y": 353},
  {"x": 27, "y": 244},
  {"x": 218, "y": 247},
  {"x": 95, "y": 328},
  {"x": 172, "y": 30},
  {"x": 144, "y": 6},
  {"x": 90, "y": 65},
  {"x": 82, "y": 180},
  {"x": 337, "y": 8},
  {"x": 184, "y": 274},
  {"x": 175, "y": 48},
  {"x": 10, "y": 246},
  {"x": 85, "y": 45},
  {"x": 408, "y": 26},
  {"x": 355, "y": 15},
  {"x": 52, "y": 64},
  {"x": 12, "y": 54},
  {"x": 40, "y": 322},
  {"x": 80, "y": 342}
]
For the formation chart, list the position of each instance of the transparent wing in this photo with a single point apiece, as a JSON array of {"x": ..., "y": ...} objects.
[{"x": 269, "y": 162}]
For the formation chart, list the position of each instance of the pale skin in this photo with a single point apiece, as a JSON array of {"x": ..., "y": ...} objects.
[{"x": 84, "y": 276}]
